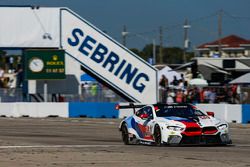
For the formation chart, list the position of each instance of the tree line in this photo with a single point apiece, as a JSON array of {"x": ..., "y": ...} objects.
[{"x": 170, "y": 55}]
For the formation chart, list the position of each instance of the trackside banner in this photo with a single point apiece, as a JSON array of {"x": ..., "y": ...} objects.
[
  {"x": 29, "y": 27},
  {"x": 107, "y": 59}
]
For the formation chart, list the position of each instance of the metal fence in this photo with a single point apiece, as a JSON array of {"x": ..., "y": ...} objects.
[
  {"x": 11, "y": 95},
  {"x": 99, "y": 95},
  {"x": 87, "y": 95},
  {"x": 222, "y": 94}
]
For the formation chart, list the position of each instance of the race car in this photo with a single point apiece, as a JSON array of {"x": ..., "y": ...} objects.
[{"x": 172, "y": 124}]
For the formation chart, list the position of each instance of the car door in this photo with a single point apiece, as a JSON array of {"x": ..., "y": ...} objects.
[{"x": 145, "y": 118}]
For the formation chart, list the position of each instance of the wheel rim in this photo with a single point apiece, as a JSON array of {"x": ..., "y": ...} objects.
[{"x": 157, "y": 136}]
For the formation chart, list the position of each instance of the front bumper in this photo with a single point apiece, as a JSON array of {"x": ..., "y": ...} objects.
[{"x": 200, "y": 139}]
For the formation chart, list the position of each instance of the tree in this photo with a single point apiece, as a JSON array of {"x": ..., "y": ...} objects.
[
  {"x": 190, "y": 55},
  {"x": 171, "y": 55},
  {"x": 136, "y": 51},
  {"x": 2, "y": 52},
  {"x": 147, "y": 52}
]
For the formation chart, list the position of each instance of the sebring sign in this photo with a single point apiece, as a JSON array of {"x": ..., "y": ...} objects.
[{"x": 108, "y": 60}]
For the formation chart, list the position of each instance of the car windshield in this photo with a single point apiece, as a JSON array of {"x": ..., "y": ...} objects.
[{"x": 177, "y": 111}]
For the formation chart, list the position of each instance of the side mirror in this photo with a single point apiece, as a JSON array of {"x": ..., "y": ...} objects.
[
  {"x": 144, "y": 116},
  {"x": 209, "y": 113}
]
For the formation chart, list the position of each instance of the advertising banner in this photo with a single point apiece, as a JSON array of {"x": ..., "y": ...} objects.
[
  {"x": 108, "y": 60},
  {"x": 44, "y": 64},
  {"x": 29, "y": 27}
]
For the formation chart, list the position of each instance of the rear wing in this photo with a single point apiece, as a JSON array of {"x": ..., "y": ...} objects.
[{"x": 129, "y": 106}]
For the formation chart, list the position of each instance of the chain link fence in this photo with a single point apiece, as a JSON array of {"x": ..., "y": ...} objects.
[
  {"x": 107, "y": 95},
  {"x": 87, "y": 95}
]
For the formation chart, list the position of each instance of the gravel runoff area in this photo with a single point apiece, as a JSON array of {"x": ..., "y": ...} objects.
[{"x": 47, "y": 142}]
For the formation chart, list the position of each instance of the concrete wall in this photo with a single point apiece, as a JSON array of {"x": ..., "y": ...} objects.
[
  {"x": 218, "y": 109},
  {"x": 234, "y": 113},
  {"x": 228, "y": 112},
  {"x": 39, "y": 110},
  {"x": 34, "y": 109}
]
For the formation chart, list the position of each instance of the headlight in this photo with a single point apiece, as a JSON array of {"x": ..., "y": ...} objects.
[
  {"x": 175, "y": 128},
  {"x": 222, "y": 127}
]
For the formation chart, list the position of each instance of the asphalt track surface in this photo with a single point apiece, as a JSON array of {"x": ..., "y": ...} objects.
[{"x": 84, "y": 142}]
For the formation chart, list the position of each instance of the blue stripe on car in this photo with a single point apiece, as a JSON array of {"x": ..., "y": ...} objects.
[
  {"x": 128, "y": 121},
  {"x": 179, "y": 119},
  {"x": 135, "y": 126}
]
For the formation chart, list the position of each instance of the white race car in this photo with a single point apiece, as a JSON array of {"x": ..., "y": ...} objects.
[{"x": 161, "y": 124}]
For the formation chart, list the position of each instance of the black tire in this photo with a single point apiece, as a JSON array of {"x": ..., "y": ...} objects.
[
  {"x": 125, "y": 137},
  {"x": 157, "y": 136}
]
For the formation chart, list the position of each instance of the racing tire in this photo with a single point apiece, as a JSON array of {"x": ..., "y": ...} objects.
[
  {"x": 157, "y": 136},
  {"x": 125, "y": 136}
]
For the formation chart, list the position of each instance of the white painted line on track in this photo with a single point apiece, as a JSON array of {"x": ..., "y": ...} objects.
[
  {"x": 242, "y": 145},
  {"x": 60, "y": 146},
  {"x": 95, "y": 123},
  {"x": 83, "y": 146}
]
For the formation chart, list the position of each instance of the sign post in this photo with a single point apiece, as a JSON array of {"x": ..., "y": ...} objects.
[{"x": 45, "y": 90}]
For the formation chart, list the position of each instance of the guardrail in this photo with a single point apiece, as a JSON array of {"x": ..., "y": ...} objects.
[{"x": 65, "y": 110}]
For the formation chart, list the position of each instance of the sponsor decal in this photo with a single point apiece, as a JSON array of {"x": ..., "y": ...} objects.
[
  {"x": 175, "y": 106},
  {"x": 109, "y": 60},
  {"x": 172, "y": 133},
  {"x": 204, "y": 117}
]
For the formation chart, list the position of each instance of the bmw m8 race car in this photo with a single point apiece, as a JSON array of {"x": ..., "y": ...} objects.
[{"x": 175, "y": 124}]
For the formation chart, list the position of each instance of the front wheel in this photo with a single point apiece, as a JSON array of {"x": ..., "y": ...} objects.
[
  {"x": 125, "y": 137},
  {"x": 157, "y": 136}
]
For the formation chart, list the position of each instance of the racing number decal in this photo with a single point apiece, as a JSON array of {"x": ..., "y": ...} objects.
[{"x": 146, "y": 131}]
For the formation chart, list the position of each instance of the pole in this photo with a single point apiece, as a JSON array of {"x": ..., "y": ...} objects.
[
  {"x": 124, "y": 35},
  {"x": 45, "y": 91},
  {"x": 161, "y": 46},
  {"x": 220, "y": 31},
  {"x": 154, "y": 52},
  {"x": 186, "y": 41}
]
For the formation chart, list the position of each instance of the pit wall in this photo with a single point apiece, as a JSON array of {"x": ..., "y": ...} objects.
[
  {"x": 232, "y": 113},
  {"x": 65, "y": 110},
  {"x": 35, "y": 110},
  {"x": 228, "y": 112}
]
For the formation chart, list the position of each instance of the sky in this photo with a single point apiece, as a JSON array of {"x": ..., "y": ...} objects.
[{"x": 143, "y": 18}]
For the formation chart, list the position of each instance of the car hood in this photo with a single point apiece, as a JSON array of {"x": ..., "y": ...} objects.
[
  {"x": 205, "y": 121},
  {"x": 202, "y": 121}
]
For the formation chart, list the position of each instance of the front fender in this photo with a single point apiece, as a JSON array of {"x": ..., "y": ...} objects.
[
  {"x": 120, "y": 125},
  {"x": 127, "y": 121}
]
